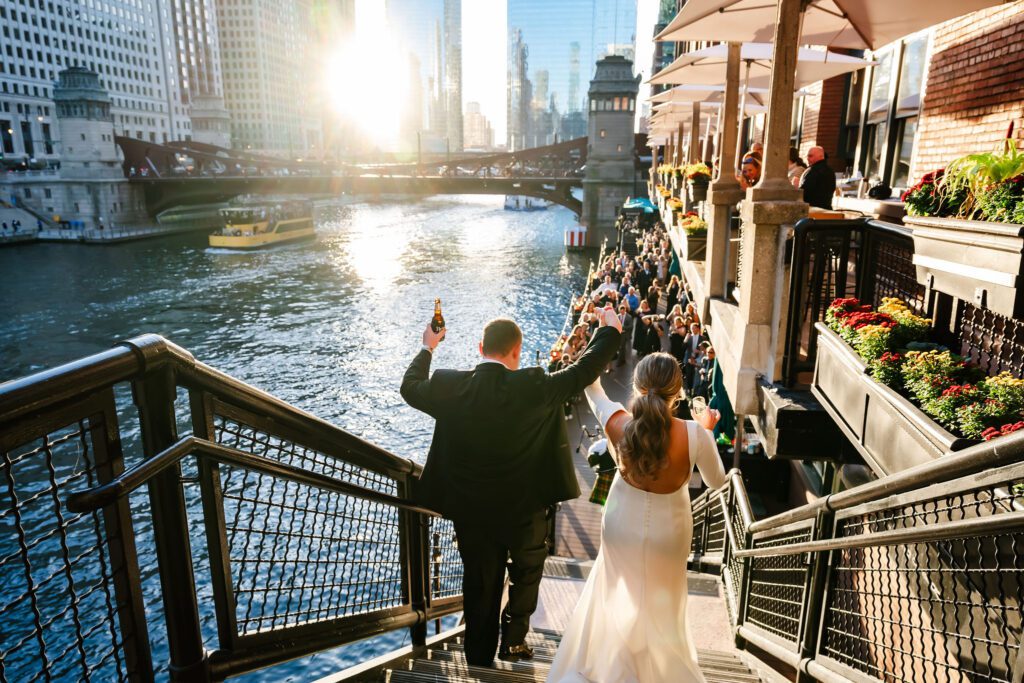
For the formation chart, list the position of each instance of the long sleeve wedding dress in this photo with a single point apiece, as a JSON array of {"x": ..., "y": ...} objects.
[{"x": 630, "y": 624}]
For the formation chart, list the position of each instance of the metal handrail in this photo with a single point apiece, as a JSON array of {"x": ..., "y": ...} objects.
[
  {"x": 105, "y": 494},
  {"x": 135, "y": 357},
  {"x": 232, "y": 424},
  {"x": 794, "y": 574}
]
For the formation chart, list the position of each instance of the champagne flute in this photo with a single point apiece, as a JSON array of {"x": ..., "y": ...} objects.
[{"x": 698, "y": 405}]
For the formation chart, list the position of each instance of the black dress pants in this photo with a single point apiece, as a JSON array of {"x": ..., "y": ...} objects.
[{"x": 488, "y": 547}]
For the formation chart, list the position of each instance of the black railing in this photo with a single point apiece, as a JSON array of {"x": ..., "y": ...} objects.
[
  {"x": 915, "y": 577},
  {"x": 862, "y": 258},
  {"x": 244, "y": 534}
]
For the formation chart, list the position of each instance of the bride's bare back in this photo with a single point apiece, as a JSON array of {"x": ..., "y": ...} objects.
[{"x": 677, "y": 467}]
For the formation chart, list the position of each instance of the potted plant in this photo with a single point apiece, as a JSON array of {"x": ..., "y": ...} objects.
[
  {"x": 694, "y": 237},
  {"x": 901, "y": 399},
  {"x": 968, "y": 229},
  {"x": 699, "y": 177}
]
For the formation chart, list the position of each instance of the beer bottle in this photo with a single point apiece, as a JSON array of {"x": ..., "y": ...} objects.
[{"x": 437, "y": 322}]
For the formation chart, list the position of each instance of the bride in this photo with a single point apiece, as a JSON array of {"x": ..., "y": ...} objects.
[{"x": 630, "y": 623}]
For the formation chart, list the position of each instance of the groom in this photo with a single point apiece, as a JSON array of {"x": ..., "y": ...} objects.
[{"x": 500, "y": 455}]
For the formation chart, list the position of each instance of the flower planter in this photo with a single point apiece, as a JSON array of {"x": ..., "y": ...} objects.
[
  {"x": 889, "y": 431},
  {"x": 689, "y": 247},
  {"x": 977, "y": 261},
  {"x": 698, "y": 191}
]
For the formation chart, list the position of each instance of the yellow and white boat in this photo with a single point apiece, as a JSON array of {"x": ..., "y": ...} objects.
[{"x": 259, "y": 226}]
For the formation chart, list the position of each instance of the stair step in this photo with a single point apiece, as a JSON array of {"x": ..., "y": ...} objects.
[
  {"x": 540, "y": 653},
  {"x": 458, "y": 657},
  {"x": 460, "y": 670}
]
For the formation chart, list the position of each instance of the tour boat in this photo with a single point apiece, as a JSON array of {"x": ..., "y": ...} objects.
[{"x": 256, "y": 226}]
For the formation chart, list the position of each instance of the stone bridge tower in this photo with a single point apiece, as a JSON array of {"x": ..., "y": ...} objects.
[{"x": 611, "y": 169}]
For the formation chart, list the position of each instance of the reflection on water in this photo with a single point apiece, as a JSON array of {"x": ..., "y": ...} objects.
[{"x": 328, "y": 326}]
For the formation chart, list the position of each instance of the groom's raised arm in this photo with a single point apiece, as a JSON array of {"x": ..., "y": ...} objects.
[
  {"x": 416, "y": 383},
  {"x": 564, "y": 384}
]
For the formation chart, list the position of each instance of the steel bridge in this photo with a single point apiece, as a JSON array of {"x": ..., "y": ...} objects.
[{"x": 186, "y": 173}]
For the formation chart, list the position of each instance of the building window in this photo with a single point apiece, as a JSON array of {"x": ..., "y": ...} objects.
[{"x": 888, "y": 112}]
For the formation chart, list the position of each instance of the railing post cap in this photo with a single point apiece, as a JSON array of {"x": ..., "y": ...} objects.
[{"x": 153, "y": 350}]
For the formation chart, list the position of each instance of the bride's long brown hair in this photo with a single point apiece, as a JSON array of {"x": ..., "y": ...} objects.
[{"x": 657, "y": 382}]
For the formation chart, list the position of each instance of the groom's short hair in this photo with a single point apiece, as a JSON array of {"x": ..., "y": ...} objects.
[{"x": 501, "y": 336}]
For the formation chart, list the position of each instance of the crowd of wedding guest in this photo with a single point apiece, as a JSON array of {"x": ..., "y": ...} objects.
[{"x": 654, "y": 307}]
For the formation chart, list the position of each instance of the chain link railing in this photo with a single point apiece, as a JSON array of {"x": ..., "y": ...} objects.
[
  {"x": 246, "y": 534},
  {"x": 915, "y": 577}
]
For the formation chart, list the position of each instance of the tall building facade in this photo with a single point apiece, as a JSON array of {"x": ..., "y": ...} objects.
[
  {"x": 192, "y": 46},
  {"x": 478, "y": 131},
  {"x": 555, "y": 44},
  {"x": 269, "y": 67},
  {"x": 430, "y": 32},
  {"x": 125, "y": 42}
]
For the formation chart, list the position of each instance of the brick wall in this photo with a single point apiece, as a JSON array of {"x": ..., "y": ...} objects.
[
  {"x": 975, "y": 87},
  {"x": 823, "y": 116}
]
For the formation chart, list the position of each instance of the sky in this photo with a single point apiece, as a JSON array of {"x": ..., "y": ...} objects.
[{"x": 483, "y": 59}]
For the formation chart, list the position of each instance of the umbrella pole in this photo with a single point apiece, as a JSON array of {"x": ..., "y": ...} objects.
[{"x": 694, "y": 135}]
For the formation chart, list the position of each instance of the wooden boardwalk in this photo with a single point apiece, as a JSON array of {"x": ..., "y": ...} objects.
[{"x": 578, "y": 523}]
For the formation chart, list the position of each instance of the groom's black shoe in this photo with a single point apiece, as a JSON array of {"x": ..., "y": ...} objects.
[{"x": 515, "y": 653}]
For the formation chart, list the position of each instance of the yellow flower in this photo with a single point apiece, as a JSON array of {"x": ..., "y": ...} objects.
[{"x": 1005, "y": 379}]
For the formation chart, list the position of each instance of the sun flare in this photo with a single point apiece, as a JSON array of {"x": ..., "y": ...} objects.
[{"x": 365, "y": 78}]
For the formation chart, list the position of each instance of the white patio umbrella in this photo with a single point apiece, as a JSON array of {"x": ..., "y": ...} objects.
[
  {"x": 701, "y": 93},
  {"x": 707, "y": 66},
  {"x": 856, "y": 24},
  {"x": 709, "y": 94},
  {"x": 707, "y": 109}
]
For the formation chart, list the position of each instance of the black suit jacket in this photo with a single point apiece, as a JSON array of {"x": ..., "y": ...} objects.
[
  {"x": 500, "y": 446},
  {"x": 819, "y": 185}
]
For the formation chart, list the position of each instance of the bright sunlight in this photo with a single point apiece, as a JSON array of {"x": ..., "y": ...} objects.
[{"x": 366, "y": 77}]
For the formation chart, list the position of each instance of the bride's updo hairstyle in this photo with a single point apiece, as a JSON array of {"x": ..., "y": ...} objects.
[{"x": 657, "y": 382}]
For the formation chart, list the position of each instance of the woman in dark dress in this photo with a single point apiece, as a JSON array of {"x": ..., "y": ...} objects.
[
  {"x": 677, "y": 340},
  {"x": 640, "y": 328},
  {"x": 672, "y": 293}
]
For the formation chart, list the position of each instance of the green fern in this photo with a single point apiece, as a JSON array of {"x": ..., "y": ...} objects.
[{"x": 974, "y": 173}]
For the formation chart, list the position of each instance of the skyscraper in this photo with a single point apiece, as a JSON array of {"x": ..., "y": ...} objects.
[
  {"x": 430, "y": 32},
  {"x": 193, "y": 46},
  {"x": 478, "y": 131},
  {"x": 268, "y": 56},
  {"x": 125, "y": 42},
  {"x": 563, "y": 40}
]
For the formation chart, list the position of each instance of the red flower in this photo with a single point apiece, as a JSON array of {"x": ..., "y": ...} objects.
[{"x": 858, "y": 319}]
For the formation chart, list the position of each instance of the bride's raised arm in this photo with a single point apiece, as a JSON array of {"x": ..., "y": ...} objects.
[
  {"x": 707, "y": 459},
  {"x": 611, "y": 414}
]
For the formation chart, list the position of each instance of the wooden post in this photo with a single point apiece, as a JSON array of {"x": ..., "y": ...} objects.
[
  {"x": 786, "y": 50},
  {"x": 742, "y": 116},
  {"x": 694, "y": 153}
]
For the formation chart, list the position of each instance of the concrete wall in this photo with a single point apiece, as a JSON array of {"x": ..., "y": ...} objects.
[{"x": 115, "y": 201}]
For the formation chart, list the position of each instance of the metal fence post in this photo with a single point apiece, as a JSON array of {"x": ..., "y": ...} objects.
[
  {"x": 154, "y": 395},
  {"x": 413, "y": 529},
  {"x": 817, "y": 579}
]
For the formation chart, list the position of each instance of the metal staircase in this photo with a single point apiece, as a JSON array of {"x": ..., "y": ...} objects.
[
  {"x": 203, "y": 529},
  {"x": 446, "y": 662}
]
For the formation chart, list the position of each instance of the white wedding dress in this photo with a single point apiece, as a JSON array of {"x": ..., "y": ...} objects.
[{"x": 630, "y": 623}]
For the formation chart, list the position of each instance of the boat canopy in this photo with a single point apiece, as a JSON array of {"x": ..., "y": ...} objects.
[{"x": 639, "y": 205}]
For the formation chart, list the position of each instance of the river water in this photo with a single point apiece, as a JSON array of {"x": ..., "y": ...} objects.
[{"x": 328, "y": 326}]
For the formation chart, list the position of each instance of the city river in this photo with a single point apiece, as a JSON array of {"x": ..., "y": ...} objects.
[{"x": 328, "y": 325}]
